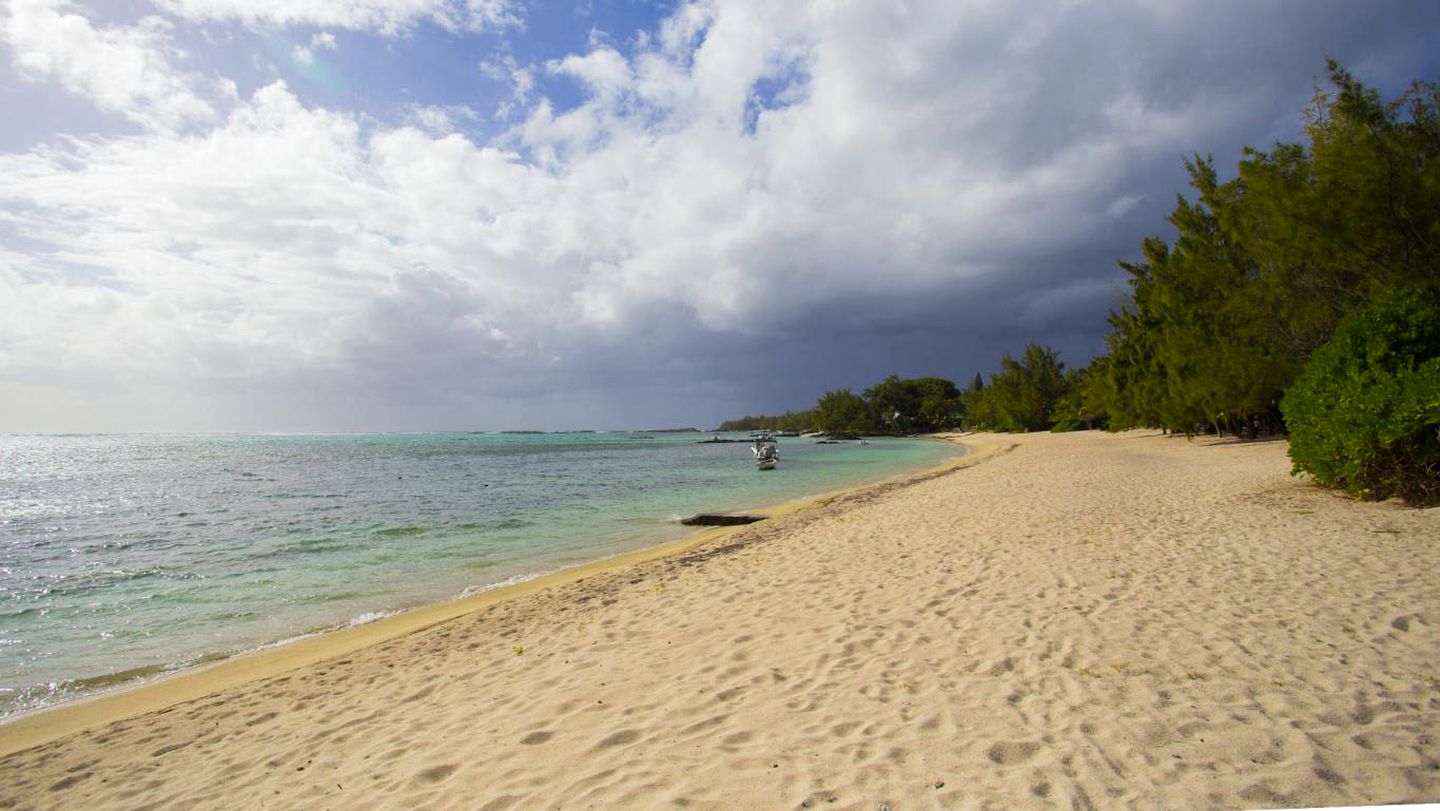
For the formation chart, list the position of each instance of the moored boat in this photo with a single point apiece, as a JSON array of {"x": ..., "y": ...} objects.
[
  {"x": 767, "y": 453},
  {"x": 767, "y": 458}
]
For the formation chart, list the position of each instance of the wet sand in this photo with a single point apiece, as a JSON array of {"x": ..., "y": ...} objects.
[{"x": 1077, "y": 621}]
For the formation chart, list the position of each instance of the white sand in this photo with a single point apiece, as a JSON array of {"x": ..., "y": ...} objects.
[{"x": 1076, "y": 621}]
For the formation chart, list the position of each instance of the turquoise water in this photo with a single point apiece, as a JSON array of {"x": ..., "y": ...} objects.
[{"x": 126, "y": 555}]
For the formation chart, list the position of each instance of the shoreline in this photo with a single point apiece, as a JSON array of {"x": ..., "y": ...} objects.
[
  {"x": 311, "y": 546},
  {"x": 187, "y": 683},
  {"x": 1060, "y": 620}
]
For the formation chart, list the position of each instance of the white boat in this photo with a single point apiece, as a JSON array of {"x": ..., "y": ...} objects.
[
  {"x": 767, "y": 459},
  {"x": 767, "y": 454}
]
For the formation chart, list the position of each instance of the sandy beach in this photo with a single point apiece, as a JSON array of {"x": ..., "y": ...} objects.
[{"x": 1061, "y": 621}]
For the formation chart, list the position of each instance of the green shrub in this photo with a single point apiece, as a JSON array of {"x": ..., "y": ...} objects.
[
  {"x": 1065, "y": 425},
  {"x": 1364, "y": 415}
]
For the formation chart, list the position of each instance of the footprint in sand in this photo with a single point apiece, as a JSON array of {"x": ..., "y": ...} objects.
[
  {"x": 435, "y": 774},
  {"x": 620, "y": 738},
  {"x": 1402, "y": 622},
  {"x": 1007, "y": 752}
]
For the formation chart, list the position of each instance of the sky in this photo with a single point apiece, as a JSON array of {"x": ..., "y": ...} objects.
[{"x": 422, "y": 215}]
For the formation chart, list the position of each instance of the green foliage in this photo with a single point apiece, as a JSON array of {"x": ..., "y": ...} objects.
[
  {"x": 1023, "y": 395},
  {"x": 842, "y": 410},
  {"x": 1354, "y": 214},
  {"x": 903, "y": 406},
  {"x": 1193, "y": 351},
  {"x": 789, "y": 421},
  {"x": 940, "y": 403},
  {"x": 892, "y": 403},
  {"x": 1365, "y": 414},
  {"x": 1077, "y": 408},
  {"x": 1265, "y": 266},
  {"x": 890, "y": 406}
]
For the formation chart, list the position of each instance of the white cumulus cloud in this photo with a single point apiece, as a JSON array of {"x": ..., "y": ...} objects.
[{"x": 123, "y": 69}]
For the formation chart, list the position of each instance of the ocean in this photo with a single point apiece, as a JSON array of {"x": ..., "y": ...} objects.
[{"x": 127, "y": 556}]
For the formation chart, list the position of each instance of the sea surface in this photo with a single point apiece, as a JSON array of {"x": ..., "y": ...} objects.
[{"x": 126, "y": 556}]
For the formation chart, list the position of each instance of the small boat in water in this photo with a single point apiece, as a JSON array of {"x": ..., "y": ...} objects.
[
  {"x": 767, "y": 454},
  {"x": 767, "y": 459}
]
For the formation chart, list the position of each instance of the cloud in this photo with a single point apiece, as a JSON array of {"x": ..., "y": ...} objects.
[
  {"x": 441, "y": 119},
  {"x": 284, "y": 240},
  {"x": 163, "y": 241},
  {"x": 125, "y": 70},
  {"x": 827, "y": 192},
  {"x": 387, "y": 17},
  {"x": 861, "y": 174},
  {"x": 505, "y": 68},
  {"x": 603, "y": 71}
]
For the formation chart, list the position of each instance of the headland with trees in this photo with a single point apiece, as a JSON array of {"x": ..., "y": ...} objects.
[{"x": 1300, "y": 297}]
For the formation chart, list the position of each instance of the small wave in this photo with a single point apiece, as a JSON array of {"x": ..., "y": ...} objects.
[
  {"x": 229, "y": 616},
  {"x": 69, "y": 585},
  {"x": 509, "y": 581},
  {"x": 371, "y": 616},
  {"x": 335, "y": 597},
  {"x": 111, "y": 679},
  {"x": 19, "y": 701},
  {"x": 401, "y": 532},
  {"x": 503, "y": 523},
  {"x": 311, "y": 547}
]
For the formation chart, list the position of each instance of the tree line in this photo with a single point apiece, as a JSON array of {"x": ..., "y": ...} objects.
[
  {"x": 1301, "y": 296},
  {"x": 1266, "y": 266},
  {"x": 892, "y": 406}
]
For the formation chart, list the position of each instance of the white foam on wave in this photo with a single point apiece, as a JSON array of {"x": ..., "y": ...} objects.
[
  {"x": 371, "y": 616},
  {"x": 471, "y": 591}
]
